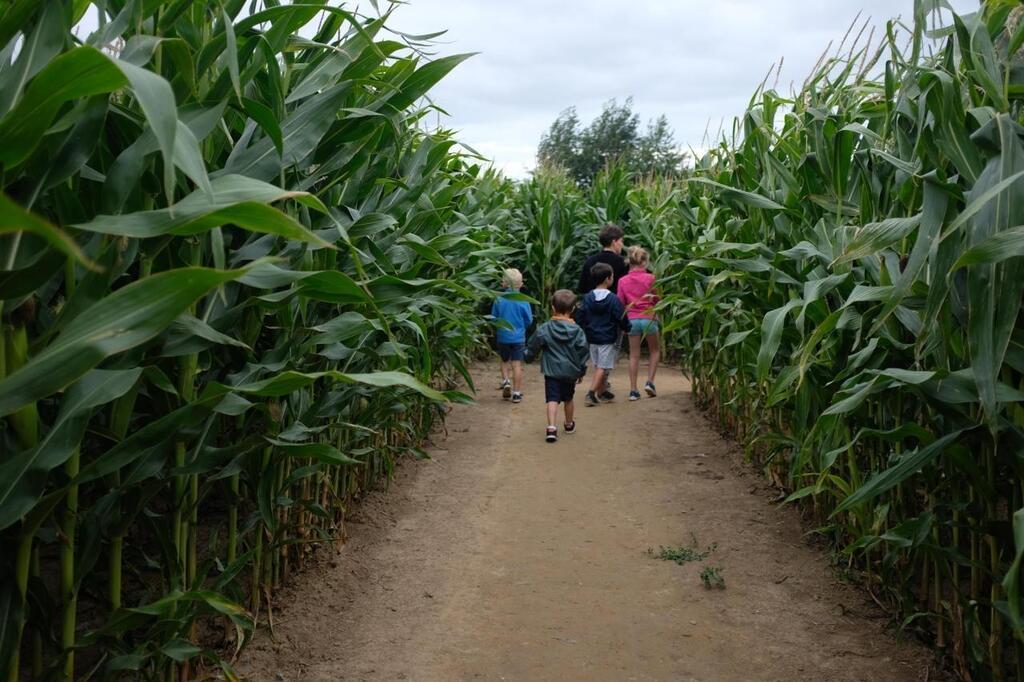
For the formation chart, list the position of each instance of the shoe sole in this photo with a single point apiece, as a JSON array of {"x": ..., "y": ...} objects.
[
  {"x": 551, "y": 439},
  {"x": 506, "y": 393},
  {"x": 634, "y": 398},
  {"x": 650, "y": 393},
  {"x": 516, "y": 402}
]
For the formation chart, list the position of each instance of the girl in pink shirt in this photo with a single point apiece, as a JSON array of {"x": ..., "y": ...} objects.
[{"x": 636, "y": 291}]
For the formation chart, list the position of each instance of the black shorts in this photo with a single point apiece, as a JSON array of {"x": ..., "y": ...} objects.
[
  {"x": 559, "y": 390},
  {"x": 512, "y": 351}
]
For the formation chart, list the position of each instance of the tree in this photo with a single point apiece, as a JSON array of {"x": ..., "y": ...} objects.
[
  {"x": 657, "y": 152},
  {"x": 560, "y": 146},
  {"x": 614, "y": 135}
]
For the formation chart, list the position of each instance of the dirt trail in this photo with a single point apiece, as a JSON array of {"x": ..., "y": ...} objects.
[{"x": 506, "y": 558}]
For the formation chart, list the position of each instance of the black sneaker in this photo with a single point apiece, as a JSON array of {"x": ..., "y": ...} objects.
[
  {"x": 606, "y": 396},
  {"x": 570, "y": 427},
  {"x": 551, "y": 434},
  {"x": 591, "y": 399},
  {"x": 649, "y": 387},
  {"x": 506, "y": 391},
  {"x": 634, "y": 395},
  {"x": 517, "y": 397}
]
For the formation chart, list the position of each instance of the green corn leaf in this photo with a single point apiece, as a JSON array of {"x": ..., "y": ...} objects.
[
  {"x": 125, "y": 319},
  {"x": 1012, "y": 581},
  {"x": 997, "y": 248},
  {"x": 743, "y": 196},
  {"x": 321, "y": 452},
  {"x": 771, "y": 336},
  {"x": 23, "y": 476},
  {"x": 286, "y": 382},
  {"x": 234, "y": 199},
  {"x": 14, "y": 218},
  {"x": 874, "y": 237},
  {"x": 907, "y": 465}
]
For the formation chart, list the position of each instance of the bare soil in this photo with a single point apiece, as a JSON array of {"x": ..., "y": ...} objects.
[{"x": 506, "y": 558}]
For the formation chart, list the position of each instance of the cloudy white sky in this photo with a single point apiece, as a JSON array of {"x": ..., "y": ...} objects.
[{"x": 696, "y": 61}]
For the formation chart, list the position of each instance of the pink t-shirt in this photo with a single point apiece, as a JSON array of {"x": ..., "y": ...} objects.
[{"x": 635, "y": 290}]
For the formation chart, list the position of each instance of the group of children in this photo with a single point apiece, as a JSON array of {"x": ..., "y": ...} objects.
[{"x": 575, "y": 335}]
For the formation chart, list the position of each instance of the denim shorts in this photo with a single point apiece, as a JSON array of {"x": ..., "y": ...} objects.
[
  {"x": 602, "y": 355},
  {"x": 559, "y": 390},
  {"x": 511, "y": 351},
  {"x": 642, "y": 326}
]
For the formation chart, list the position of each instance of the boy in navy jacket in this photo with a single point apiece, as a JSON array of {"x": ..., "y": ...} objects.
[{"x": 603, "y": 318}]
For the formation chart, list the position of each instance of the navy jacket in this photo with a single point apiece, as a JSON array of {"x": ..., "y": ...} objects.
[{"x": 602, "y": 316}]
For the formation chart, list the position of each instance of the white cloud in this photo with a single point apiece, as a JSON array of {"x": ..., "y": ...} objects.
[{"x": 696, "y": 61}]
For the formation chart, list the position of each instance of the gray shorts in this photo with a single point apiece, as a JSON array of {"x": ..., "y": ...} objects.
[{"x": 603, "y": 355}]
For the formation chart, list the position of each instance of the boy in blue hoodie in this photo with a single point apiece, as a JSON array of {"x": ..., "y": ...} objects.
[
  {"x": 603, "y": 318},
  {"x": 564, "y": 360},
  {"x": 514, "y": 317}
]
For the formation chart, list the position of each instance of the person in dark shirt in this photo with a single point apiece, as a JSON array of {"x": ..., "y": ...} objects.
[{"x": 610, "y": 237}]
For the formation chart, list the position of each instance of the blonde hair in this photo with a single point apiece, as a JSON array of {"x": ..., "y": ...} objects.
[
  {"x": 638, "y": 256},
  {"x": 512, "y": 278}
]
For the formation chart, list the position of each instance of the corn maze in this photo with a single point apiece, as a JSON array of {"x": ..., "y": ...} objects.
[{"x": 240, "y": 277}]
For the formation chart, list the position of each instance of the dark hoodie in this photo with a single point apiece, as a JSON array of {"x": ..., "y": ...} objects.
[
  {"x": 565, "y": 349},
  {"x": 602, "y": 316}
]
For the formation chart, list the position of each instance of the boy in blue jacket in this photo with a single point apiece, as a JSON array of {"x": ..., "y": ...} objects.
[
  {"x": 513, "y": 318},
  {"x": 603, "y": 318}
]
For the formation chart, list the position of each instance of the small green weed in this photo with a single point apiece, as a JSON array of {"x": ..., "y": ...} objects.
[
  {"x": 681, "y": 555},
  {"x": 711, "y": 576}
]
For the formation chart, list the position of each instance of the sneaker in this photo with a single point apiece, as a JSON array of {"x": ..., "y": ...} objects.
[
  {"x": 606, "y": 396},
  {"x": 591, "y": 399},
  {"x": 517, "y": 396},
  {"x": 504, "y": 384},
  {"x": 649, "y": 387},
  {"x": 634, "y": 395},
  {"x": 506, "y": 390},
  {"x": 570, "y": 427},
  {"x": 551, "y": 434}
]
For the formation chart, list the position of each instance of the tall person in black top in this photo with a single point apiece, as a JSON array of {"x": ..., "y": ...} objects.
[{"x": 610, "y": 237}]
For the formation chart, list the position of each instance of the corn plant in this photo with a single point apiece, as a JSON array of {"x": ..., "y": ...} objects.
[
  {"x": 847, "y": 289},
  {"x": 237, "y": 281}
]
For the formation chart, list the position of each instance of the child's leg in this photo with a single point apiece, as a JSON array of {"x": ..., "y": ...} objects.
[
  {"x": 517, "y": 375},
  {"x": 570, "y": 411},
  {"x": 597, "y": 384},
  {"x": 654, "y": 355},
  {"x": 634, "y": 360},
  {"x": 506, "y": 370},
  {"x": 552, "y": 413}
]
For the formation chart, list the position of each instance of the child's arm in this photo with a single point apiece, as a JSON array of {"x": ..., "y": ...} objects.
[
  {"x": 534, "y": 346},
  {"x": 619, "y": 313},
  {"x": 582, "y": 350},
  {"x": 581, "y": 313}
]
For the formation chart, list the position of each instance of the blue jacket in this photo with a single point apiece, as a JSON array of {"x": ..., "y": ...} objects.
[
  {"x": 516, "y": 313},
  {"x": 602, "y": 315}
]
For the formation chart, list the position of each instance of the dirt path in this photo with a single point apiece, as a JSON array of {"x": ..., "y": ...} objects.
[{"x": 506, "y": 558}]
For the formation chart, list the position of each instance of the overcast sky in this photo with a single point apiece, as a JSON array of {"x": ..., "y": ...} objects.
[{"x": 696, "y": 61}]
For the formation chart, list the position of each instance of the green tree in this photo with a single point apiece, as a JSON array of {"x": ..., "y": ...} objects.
[
  {"x": 613, "y": 135},
  {"x": 657, "y": 152},
  {"x": 560, "y": 146}
]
